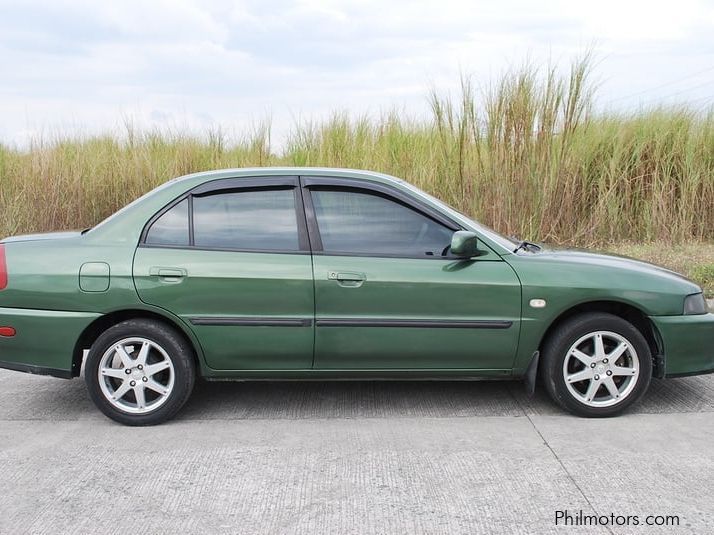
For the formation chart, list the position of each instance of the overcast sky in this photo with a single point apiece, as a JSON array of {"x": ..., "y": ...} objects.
[{"x": 82, "y": 66}]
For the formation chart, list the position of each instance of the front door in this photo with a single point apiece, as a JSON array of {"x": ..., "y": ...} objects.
[
  {"x": 232, "y": 260},
  {"x": 388, "y": 296}
]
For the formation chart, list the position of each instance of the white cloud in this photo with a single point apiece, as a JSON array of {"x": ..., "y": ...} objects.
[
  {"x": 646, "y": 20},
  {"x": 81, "y": 65}
]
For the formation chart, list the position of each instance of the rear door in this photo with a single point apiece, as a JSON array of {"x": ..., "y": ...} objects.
[
  {"x": 387, "y": 294},
  {"x": 232, "y": 259}
]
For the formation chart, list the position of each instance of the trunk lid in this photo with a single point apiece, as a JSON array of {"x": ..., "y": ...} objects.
[{"x": 42, "y": 236}]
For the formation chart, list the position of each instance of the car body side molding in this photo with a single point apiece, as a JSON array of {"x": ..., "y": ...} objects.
[
  {"x": 438, "y": 324},
  {"x": 252, "y": 322}
]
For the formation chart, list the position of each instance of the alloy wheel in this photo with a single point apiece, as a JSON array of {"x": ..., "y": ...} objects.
[
  {"x": 136, "y": 375},
  {"x": 601, "y": 369}
]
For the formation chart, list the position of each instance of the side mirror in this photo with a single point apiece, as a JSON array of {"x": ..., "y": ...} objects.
[{"x": 464, "y": 244}]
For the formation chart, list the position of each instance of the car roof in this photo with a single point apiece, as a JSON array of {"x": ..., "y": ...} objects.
[
  {"x": 122, "y": 225},
  {"x": 126, "y": 224},
  {"x": 256, "y": 172}
]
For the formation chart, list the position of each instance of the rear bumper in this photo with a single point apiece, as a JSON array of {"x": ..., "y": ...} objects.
[
  {"x": 688, "y": 343},
  {"x": 36, "y": 370},
  {"x": 44, "y": 340}
]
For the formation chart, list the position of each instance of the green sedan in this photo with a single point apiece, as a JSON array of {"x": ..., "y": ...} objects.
[{"x": 302, "y": 273}]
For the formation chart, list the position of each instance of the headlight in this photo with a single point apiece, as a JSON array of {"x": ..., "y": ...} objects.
[{"x": 695, "y": 304}]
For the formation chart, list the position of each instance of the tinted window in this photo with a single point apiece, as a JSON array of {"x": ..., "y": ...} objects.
[
  {"x": 263, "y": 220},
  {"x": 171, "y": 228},
  {"x": 354, "y": 222}
]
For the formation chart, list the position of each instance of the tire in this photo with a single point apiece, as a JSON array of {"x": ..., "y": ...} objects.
[
  {"x": 140, "y": 372},
  {"x": 607, "y": 362}
]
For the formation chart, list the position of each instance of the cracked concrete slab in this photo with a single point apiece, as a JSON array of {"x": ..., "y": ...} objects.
[
  {"x": 351, "y": 457},
  {"x": 641, "y": 464}
]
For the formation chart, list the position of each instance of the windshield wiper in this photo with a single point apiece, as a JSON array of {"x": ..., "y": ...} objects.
[{"x": 527, "y": 246}]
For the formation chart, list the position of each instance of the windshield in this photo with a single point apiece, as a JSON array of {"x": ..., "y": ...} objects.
[{"x": 506, "y": 243}]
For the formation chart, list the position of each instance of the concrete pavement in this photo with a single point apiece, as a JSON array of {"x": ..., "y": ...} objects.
[{"x": 352, "y": 457}]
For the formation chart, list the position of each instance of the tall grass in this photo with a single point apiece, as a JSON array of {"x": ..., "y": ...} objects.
[{"x": 525, "y": 154}]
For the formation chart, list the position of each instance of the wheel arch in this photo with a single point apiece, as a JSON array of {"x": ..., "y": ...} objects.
[
  {"x": 626, "y": 311},
  {"x": 104, "y": 322}
]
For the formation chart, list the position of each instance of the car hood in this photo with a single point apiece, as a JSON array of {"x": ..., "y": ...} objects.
[
  {"x": 580, "y": 256},
  {"x": 42, "y": 236}
]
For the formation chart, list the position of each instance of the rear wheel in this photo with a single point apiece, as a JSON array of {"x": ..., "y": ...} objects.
[
  {"x": 140, "y": 372},
  {"x": 596, "y": 364}
]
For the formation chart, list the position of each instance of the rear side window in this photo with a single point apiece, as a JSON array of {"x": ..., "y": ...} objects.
[
  {"x": 263, "y": 220},
  {"x": 171, "y": 228}
]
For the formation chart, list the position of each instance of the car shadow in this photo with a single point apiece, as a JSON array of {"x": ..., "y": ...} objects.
[
  {"x": 428, "y": 399},
  {"x": 27, "y": 397}
]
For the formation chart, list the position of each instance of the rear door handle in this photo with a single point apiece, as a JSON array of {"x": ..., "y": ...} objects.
[
  {"x": 168, "y": 274},
  {"x": 347, "y": 278}
]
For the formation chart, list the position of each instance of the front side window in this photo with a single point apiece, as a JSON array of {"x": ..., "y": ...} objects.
[
  {"x": 171, "y": 228},
  {"x": 364, "y": 223},
  {"x": 246, "y": 219}
]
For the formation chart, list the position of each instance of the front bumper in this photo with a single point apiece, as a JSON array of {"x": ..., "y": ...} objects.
[{"x": 688, "y": 343}]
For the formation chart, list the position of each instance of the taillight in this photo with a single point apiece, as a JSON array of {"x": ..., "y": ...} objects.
[{"x": 3, "y": 267}]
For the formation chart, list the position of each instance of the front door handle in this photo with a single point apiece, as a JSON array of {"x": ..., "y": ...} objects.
[
  {"x": 348, "y": 279},
  {"x": 168, "y": 274}
]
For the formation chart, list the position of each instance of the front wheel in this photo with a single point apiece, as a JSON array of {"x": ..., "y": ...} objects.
[
  {"x": 596, "y": 364},
  {"x": 139, "y": 372}
]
